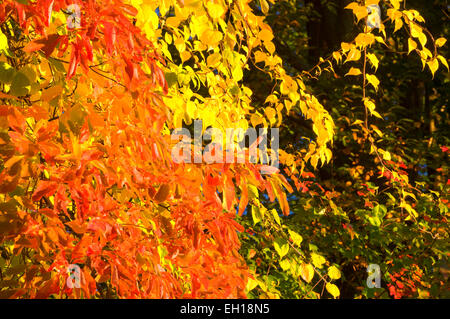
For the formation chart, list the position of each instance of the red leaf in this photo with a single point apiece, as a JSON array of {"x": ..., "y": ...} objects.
[
  {"x": 77, "y": 227},
  {"x": 50, "y": 287},
  {"x": 80, "y": 251},
  {"x": 131, "y": 70},
  {"x": 47, "y": 44},
  {"x": 74, "y": 61},
  {"x": 48, "y": 11},
  {"x": 44, "y": 188},
  {"x": 21, "y": 14},
  {"x": 129, "y": 10},
  {"x": 244, "y": 200},
  {"x": 16, "y": 120},
  {"x": 110, "y": 36},
  {"x": 33, "y": 46}
]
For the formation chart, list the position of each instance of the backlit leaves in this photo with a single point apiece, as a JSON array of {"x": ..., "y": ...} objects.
[
  {"x": 333, "y": 290},
  {"x": 281, "y": 247},
  {"x": 354, "y": 71},
  {"x": 373, "y": 80},
  {"x": 334, "y": 273},
  {"x": 307, "y": 272},
  {"x": 86, "y": 169}
]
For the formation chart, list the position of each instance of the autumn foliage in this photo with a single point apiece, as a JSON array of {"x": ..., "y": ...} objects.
[{"x": 87, "y": 177}]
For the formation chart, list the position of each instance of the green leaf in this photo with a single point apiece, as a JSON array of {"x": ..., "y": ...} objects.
[
  {"x": 374, "y": 221},
  {"x": 171, "y": 78},
  {"x": 256, "y": 215},
  {"x": 252, "y": 192},
  {"x": 285, "y": 264},
  {"x": 251, "y": 284},
  {"x": 281, "y": 246},
  {"x": 57, "y": 65},
  {"x": 234, "y": 90},
  {"x": 296, "y": 238},
  {"x": 7, "y": 73},
  {"x": 380, "y": 211},
  {"x": 30, "y": 73},
  {"x": 275, "y": 216},
  {"x": 20, "y": 85}
]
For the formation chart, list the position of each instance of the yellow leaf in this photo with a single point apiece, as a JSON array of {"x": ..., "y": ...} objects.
[
  {"x": 317, "y": 260},
  {"x": 265, "y": 35},
  {"x": 168, "y": 38},
  {"x": 296, "y": 238},
  {"x": 264, "y": 6},
  {"x": 307, "y": 272},
  {"x": 271, "y": 99},
  {"x": 371, "y": 107},
  {"x": 380, "y": 40},
  {"x": 211, "y": 38},
  {"x": 372, "y": 79},
  {"x": 173, "y": 22},
  {"x": 364, "y": 39},
  {"x": 412, "y": 45},
  {"x": 369, "y": 104},
  {"x": 260, "y": 56},
  {"x": 334, "y": 273},
  {"x": 377, "y": 130},
  {"x": 443, "y": 61},
  {"x": 337, "y": 56},
  {"x": 275, "y": 216},
  {"x": 346, "y": 46},
  {"x": 285, "y": 264},
  {"x": 237, "y": 73},
  {"x": 328, "y": 154},
  {"x": 251, "y": 284},
  {"x": 427, "y": 53},
  {"x": 185, "y": 55},
  {"x": 333, "y": 290},
  {"x": 415, "y": 30},
  {"x": 440, "y": 42},
  {"x": 353, "y": 55},
  {"x": 281, "y": 247},
  {"x": 395, "y": 4},
  {"x": 422, "y": 39},
  {"x": 398, "y": 24},
  {"x": 359, "y": 11},
  {"x": 373, "y": 60},
  {"x": 215, "y": 10},
  {"x": 352, "y": 6},
  {"x": 3, "y": 42},
  {"x": 270, "y": 46},
  {"x": 433, "y": 65},
  {"x": 354, "y": 71},
  {"x": 256, "y": 119},
  {"x": 213, "y": 59}
]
